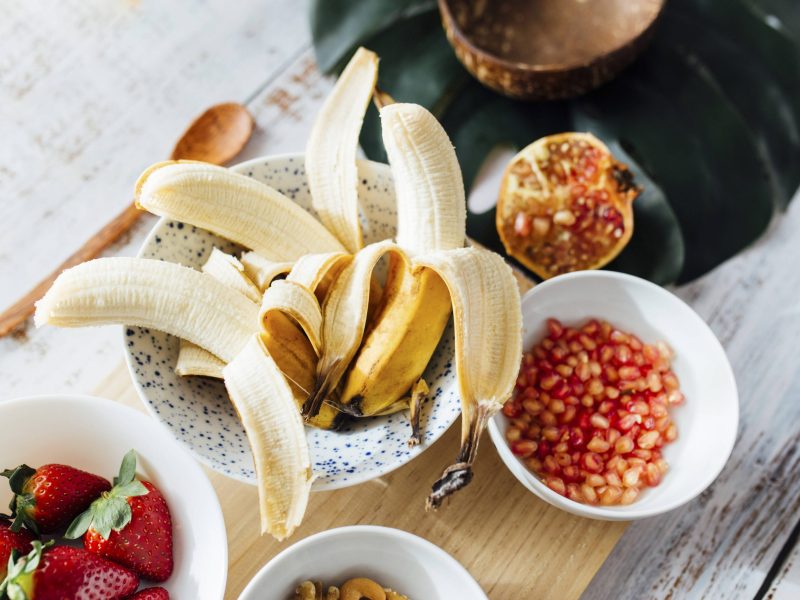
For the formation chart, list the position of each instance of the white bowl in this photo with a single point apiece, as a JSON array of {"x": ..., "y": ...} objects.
[
  {"x": 396, "y": 559},
  {"x": 197, "y": 410},
  {"x": 94, "y": 434},
  {"x": 707, "y": 421}
]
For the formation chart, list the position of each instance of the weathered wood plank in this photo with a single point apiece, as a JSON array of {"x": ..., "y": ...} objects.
[
  {"x": 722, "y": 544},
  {"x": 91, "y": 92},
  {"x": 786, "y": 585}
]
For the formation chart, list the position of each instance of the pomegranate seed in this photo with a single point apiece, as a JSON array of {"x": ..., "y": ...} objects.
[
  {"x": 556, "y": 484},
  {"x": 532, "y": 407},
  {"x": 565, "y": 371},
  {"x": 629, "y": 495},
  {"x": 524, "y": 448},
  {"x": 662, "y": 424},
  {"x": 631, "y": 477},
  {"x": 598, "y": 445},
  {"x": 587, "y": 342},
  {"x": 555, "y": 328},
  {"x": 572, "y": 361},
  {"x": 610, "y": 495},
  {"x": 652, "y": 475},
  {"x": 612, "y": 436},
  {"x": 547, "y": 418},
  {"x": 571, "y": 473},
  {"x": 654, "y": 382},
  {"x": 512, "y": 410},
  {"x": 563, "y": 459},
  {"x": 671, "y": 434},
  {"x": 629, "y": 420},
  {"x": 556, "y": 406},
  {"x": 606, "y": 353},
  {"x": 664, "y": 350},
  {"x": 629, "y": 373},
  {"x": 658, "y": 410},
  {"x": 650, "y": 353},
  {"x": 557, "y": 354},
  {"x": 551, "y": 433},
  {"x": 574, "y": 492},
  {"x": 534, "y": 431},
  {"x": 587, "y": 401},
  {"x": 589, "y": 495},
  {"x": 624, "y": 445},
  {"x": 618, "y": 337},
  {"x": 648, "y": 440},
  {"x": 635, "y": 343},
  {"x": 613, "y": 479},
  {"x": 661, "y": 365},
  {"x": 663, "y": 466},
  {"x": 675, "y": 398},
  {"x": 513, "y": 434},
  {"x": 550, "y": 465},
  {"x": 561, "y": 448},
  {"x": 635, "y": 461},
  {"x": 623, "y": 354},
  {"x": 568, "y": 415},
  {"x": 638, "y": 407},
  {"x": 534, "y": 464},
  {"x": 670, "y": 381},
  {"x": 595, "y": 387},
  {"x": 547, "y": 382},
  {"x": 560, "y": 389},
  {"x": 612, "y": 393},
  {"x": 598, "y": 420},
  {"x": 576, "y": 438},
  {"x": 592, "y": 462},
  {"x": 595, "y": 369},
  {"x": 622, "y": 466}
]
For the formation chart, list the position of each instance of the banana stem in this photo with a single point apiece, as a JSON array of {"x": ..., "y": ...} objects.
[
  {"x": 418, "y": 395},
  {"x": 319, "y": 394},
  {"x": 459, "y": 474}
]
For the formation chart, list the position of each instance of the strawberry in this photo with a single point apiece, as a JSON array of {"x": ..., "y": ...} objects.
[
  {"x": 130, "y": 525},
  {"x": 156, "y": 593},
  {"x": 56, "y": 573},
  {"x": 48, "y": 498},
  {"x": 11, "y": 541}
]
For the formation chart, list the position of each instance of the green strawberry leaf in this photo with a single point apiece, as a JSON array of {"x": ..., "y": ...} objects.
[
  {"x": 127, "y": 470},
  {"x": 133, "y": 488},
  {"x": 79, "y": 525},
  {"x": 18, "y": 477},
  {"x": 338, "y": 26}
]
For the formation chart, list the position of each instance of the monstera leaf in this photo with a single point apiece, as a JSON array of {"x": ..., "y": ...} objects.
[{"x": 708, "y": 118}]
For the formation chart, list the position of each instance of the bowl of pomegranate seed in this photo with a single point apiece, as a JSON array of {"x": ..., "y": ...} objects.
[
  {"x": 104, "y": 502},
  {"x": 625, "y": 406}
]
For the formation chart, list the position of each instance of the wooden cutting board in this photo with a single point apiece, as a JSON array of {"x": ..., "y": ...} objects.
[{"x": 514, "y": 544}]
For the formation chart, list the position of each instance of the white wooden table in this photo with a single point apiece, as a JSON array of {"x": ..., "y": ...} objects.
[{"x": 92, "y": 91}]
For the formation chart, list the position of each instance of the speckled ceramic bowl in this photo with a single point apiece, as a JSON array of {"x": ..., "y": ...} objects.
[{"x": 197, "y": 410}]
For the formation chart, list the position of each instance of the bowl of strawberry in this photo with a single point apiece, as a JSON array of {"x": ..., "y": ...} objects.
[
  {"x": 625, "y": 405},
  {"x": 78, "y": 526}
]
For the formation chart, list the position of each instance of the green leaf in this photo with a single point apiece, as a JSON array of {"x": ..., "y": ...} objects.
[
  {"x": 127, "y": 470},
  {"x": 429, "y": 76},
  {"x": 79, "y": 525},
  {"x": 18, "y": 477},
  {"x": 772, "y": 114},
  {"x": 130, "y": 489},
  {"x": 339, "y": 26},
  {"x": 698, "y": 150}
]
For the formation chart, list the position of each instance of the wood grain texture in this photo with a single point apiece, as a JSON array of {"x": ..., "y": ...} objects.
[
  {"x": 723, "y": 544},
  {"x": 514, "y": 544}
]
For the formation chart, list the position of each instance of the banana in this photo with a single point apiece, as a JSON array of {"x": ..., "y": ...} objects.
[
  {"x": 151, "y": 293},
  {"x": 193, "y": 360},
  {"x": 262, "y": 271},
  {"x": 488, "y": 330},
  {"x": 229, "y": 271},
  {"x": 415, "y": 308},
  {"x": 332, "y": 147},
  {"x": 431, "y": 205},
  {"x": 317, "y": 271},
  {"x": 266, "y": 406},
  {"x": 297, "y": 302},
  {"x": 405, "y": 331},
  {"x": 344, "y": 320},
  {"x": 235, "y": 207}
]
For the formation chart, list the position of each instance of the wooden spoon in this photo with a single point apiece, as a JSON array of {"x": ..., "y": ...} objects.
[{"x": 216, "y": 136}]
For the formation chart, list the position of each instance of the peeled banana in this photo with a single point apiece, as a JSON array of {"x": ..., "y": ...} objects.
[
  {"x": 151, "y": 293},
  {"x": 265, "y": 404},
  {"x": 332, "y": 147},
  {"x": 234, "y": 206}
]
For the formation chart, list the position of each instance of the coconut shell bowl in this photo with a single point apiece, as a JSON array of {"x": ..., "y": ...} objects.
[{"x": 548, "y": 49}]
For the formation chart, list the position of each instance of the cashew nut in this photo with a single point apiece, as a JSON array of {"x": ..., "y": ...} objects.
[
  {"x": 360, "y": 588},
  {"x": 308, "y": 590},
  {"x": 392, "y": 595},
  {"x": 333, "y": 593}
]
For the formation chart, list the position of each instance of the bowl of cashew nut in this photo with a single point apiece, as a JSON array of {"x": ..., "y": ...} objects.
[{"x": 363, "y": 563}]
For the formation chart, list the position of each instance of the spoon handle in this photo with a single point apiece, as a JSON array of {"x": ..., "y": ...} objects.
[{"x": 16, "y": 314}]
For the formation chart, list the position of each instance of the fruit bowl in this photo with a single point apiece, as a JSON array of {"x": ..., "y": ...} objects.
[
  {"x": 707, "y": 421},
  {"x": 93, "y": 434},
  {"x": 396, "y": 559},
  {"x": 197, "y": 410}
]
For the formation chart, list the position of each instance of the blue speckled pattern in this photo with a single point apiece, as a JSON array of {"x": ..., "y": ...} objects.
[{"x": 197, "y": 410}]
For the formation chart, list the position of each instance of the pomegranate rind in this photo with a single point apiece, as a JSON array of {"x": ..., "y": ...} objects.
[{"x": 568, "y": 214}]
